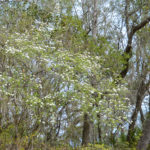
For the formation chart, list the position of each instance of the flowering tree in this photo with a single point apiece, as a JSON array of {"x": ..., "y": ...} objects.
[{"x": 55, "y": 75}]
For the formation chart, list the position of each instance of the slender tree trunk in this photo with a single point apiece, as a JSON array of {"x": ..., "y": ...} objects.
[
  {"x": 99, "y": 133},
  {"x": 142, "y": 116},
  {"x": 86, "y": 130},
  {"x": 87, "y": 125},
  {"x": 99, "y": 129}
]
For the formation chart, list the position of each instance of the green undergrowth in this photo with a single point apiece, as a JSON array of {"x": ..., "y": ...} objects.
[{"x": 94, "y": 147}]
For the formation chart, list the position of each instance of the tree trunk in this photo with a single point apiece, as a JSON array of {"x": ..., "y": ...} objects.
[
  {"x": 145, "y": 138},
  {"x": 142, "y": 116},
  {"x": 87, "y": 124},
  {"x": 140, "y": 93},
  {"x": 94, "y": 21},
  {"x": 86, "y": 130},
  {"x": 99, "y": 129}
]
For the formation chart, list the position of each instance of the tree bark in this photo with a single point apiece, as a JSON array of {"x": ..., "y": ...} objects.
[
  {"x": 144, "y": 141},
  {"x": 99, "y": 133},
  {"x": 94, "y": 21},
  {"x": 142, "y": 116},
  {"x": 86, "y": 130},
  {"x": 139, "y": 98},
  {"x": 145, "y": 138}
]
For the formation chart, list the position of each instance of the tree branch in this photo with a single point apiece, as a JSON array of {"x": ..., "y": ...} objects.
[
  {"x": 128, "y": 52},
  {"x": 141, "y": 25}
]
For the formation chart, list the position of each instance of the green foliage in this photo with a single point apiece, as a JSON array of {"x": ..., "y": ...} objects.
[
  {"x": 51, "y": 69},
  {"x": 96, "y": 146}
]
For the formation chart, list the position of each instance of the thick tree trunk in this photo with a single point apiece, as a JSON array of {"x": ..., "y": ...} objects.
[
  {"x": 86, "y": 130},
  {"x": 145, "y": 138}
]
